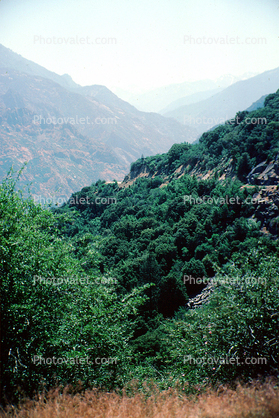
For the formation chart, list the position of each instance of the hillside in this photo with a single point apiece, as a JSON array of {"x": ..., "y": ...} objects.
[
  {"x": 222, "y": 106},
  {"x": 232, "y": 149},
  {"x": 149, "y": 212}
]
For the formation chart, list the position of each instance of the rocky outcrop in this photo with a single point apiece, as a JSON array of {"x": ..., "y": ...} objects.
[
  {"x": 265, "y": 173},
  {"x": 202, "y": 297},
  {"x": 267, "y": 209}
]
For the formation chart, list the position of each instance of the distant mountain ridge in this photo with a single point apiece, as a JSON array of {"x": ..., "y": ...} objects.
[
  {"x": 160, "y": 98},
  {"x": 72, "y": 135},
  {"x": 207, "y": 113},
  {"x": 191, "y": 99}
]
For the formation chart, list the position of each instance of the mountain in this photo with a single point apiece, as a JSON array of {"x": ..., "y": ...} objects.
[
  {"x": 224, "y": 105},
  {"x": 73, "y": 136},
  {"x": 159, "y": 98}
]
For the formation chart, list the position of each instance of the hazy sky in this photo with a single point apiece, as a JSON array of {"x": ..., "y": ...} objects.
[{"x": 141, "y": 44}]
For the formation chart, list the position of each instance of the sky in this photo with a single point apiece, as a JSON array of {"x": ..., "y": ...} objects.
[{"x": 139, "y": 45}]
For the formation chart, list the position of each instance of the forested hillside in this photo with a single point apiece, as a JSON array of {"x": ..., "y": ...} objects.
[
  {"x": 241, "y": 143},
  {"x": 107, "y": 277}
]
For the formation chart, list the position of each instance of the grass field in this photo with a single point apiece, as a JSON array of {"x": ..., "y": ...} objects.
[{"x": 254, "y": 401}]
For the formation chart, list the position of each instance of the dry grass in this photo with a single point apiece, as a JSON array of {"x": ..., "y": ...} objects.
[{"x": 254, "y": 401}]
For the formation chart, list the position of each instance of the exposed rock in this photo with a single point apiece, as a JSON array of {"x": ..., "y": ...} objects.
[
  {"x": 267, "y": 209},
  {"x": 202, "y": 297},
  {"x": 265, "y": 173}
]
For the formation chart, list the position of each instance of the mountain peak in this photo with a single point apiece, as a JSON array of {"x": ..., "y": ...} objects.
[{"x": 14, "y": 61}]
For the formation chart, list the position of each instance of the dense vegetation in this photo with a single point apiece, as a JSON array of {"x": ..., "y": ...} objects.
[
  {"x": 103, "y": 276},
  {"x": 149, "y": 235}
]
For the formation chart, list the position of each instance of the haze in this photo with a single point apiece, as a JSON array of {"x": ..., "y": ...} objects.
[{"x": 146, "y": 44}]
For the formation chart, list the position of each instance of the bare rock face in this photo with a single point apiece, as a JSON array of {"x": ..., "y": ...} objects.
[
  {"x": 202, "y": 297},
  {"x": 265, "y": 173}
]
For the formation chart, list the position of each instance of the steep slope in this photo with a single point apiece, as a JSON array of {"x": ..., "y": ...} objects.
[
  {"x": 223, "y": 146},
  {"x": 223, "y": 106},
  {"x": 60, "y": 159},
  {"x": 242, "y": 150},
  {"x": 127, "y": 112}
]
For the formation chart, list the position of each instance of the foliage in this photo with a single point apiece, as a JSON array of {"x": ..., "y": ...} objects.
[
  {"x": 51, "y": 308},
  {"x": 158, "y": 235}
]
